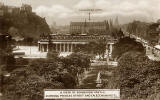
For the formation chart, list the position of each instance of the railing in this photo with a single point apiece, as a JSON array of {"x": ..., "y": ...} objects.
[{"x": 72, "y": 38}]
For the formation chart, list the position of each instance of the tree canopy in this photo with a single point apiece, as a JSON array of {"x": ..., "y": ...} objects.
[
  {"x": 127, "y": 44},
  {"x": 136, "y": 75}
]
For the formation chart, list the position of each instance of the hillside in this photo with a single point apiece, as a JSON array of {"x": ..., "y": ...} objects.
[{"x": 23, "y": 24}]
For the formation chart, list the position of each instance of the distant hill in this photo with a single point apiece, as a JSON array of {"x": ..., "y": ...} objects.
[{"x": 23, "y": 24}]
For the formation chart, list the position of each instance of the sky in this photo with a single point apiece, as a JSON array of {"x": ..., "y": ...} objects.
[{"x": 64, "y": 11}]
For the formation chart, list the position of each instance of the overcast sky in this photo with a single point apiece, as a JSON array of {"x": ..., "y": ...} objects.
[{"x": 64, "y": 11}]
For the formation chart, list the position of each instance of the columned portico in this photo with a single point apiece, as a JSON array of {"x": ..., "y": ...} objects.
[
  {"x": 58, "y": 46},
  {"x": 66, "y": 43},
  {"x": 43, "y": 47}
]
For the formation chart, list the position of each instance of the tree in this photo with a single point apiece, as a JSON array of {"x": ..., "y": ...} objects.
[
  {"x": 24, "y": 83},
  {"x": 76, "y": 64},
  {"x": 13, "y": 31},
  {"x": 127, "y": 44},
  {"x": 138, "y": 76},
  {"x": 93, "y": 48},
  {"x": 53, "y": 55},
  {"x": 53, "y": 70},
  {"x": 100, "y": 48}
]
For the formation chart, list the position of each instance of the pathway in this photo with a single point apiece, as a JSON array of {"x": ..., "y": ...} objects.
[{"x": 89, "y": 81}]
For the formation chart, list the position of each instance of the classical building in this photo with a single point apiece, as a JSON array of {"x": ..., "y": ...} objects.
[
  {"x": 65, "y": 43},
  {"x": 98, "y": 28}
]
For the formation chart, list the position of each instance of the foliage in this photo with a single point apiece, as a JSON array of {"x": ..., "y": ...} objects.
[
  {"x": 10, "y": 62},
  {"x": 52, "y": 55},
  {"x": 117, "y": 33},
  {"x": 21, "y": 61},
  {"x": 24, "y": 83},
  {"x": 78, "y": 60},
  {"x": 6, "y": 57},
  {"x": 126, "y": 44},
  {"x": 138, "y": 76},
  {"x": 29, "y": 82},
  {"x": 93, "y": 48}
]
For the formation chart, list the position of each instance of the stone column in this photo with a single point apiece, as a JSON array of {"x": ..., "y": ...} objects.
[
  {"x": 60, "y": 47},
  {"x": 71, "y": 47},
  {"x": 74, "y": 46},
  {"x": 47, "y": 48},
  {"x": 56, "y": 46},
  {"x": 39, "y": 47},
  {"x": 64, "y": 47},
  {"x": 67, "y": 47},
  {"x": 42, "y": 48}
]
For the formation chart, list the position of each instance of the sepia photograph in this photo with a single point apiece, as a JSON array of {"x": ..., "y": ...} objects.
[{"x": 79, "y": 49}]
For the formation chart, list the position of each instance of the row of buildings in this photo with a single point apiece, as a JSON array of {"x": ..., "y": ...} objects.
[{"x": 86, "y": 27}]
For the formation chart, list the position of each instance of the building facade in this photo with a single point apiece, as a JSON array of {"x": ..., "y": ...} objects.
[
  {"x": 65, "y": 43},
  {"x": 90, "y": 28}
]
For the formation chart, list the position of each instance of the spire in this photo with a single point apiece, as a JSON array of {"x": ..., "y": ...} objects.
[
  {"x": 116, "y": 23},
  {"x": 110, "y": 25},
  {"x": 107, "y": 25}
]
